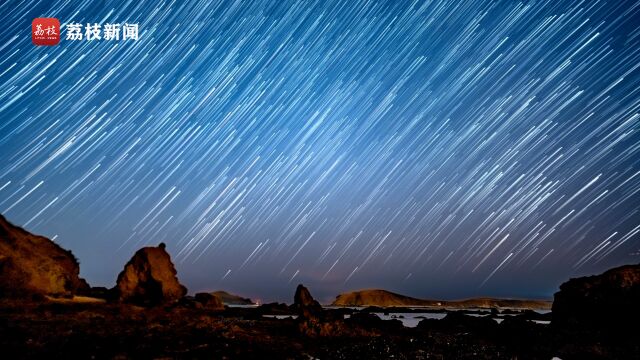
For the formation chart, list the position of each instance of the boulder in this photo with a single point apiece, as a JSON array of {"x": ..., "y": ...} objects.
[
  {"x": 371, "y": 322},
  {"x": 34, "y": 265},
  {"x": 189, "y": 302},
  {"x": 149, "y": 278},
  {"x": 458, "y": 320},
  {"x": 274, "y": 309},
  {"x": 209, "y": 301},
  {"x": 606, "y": 301}
]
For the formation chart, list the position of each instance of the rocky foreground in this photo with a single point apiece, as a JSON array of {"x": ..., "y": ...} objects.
[
  {"x": 47, "y": 311},
  {"x": 187, "y": 329}
]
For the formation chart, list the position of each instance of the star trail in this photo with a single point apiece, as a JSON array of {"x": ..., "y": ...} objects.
[{"x": 432, "y": 148}]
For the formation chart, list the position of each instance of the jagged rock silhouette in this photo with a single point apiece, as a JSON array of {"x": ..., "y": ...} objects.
[
  {"x": 32, "y": 264},
  {"x": 149, "y": 278}
]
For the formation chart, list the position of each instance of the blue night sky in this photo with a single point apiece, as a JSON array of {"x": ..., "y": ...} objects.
[{"x": 436, "y": 149}]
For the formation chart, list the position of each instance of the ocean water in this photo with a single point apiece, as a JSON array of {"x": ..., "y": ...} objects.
[
  {"x": 280, "y": 316},
  {"x": 411, "y": 319}
]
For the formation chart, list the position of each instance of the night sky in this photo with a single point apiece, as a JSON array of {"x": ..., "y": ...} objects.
[{"x": 437, "y": 149}]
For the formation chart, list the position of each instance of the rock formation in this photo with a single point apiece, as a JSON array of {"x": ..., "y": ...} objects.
[
  {"x": 306, "y": 306},
  {"x": 606, "y": 301},
  {"x": 312, "y": 320},
  {"x": 231, "y": 299},
  {"x": 275, "y": 308},
  {"x": 209, "y": 301},
  {"x": 149, "y": 278},
  {"x": 31, "y": 264},
  {"x": 303, "y": 299}
]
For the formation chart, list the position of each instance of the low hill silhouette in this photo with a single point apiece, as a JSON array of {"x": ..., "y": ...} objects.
[
  {"x": 232, "y": 299},
  {"x": 384, "y": 298}
]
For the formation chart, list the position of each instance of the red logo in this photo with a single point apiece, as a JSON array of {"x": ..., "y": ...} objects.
[{"x": 45, "y": 31}]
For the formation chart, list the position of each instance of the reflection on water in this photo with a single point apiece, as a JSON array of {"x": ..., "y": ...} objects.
[{"x": 280, "y": 316}]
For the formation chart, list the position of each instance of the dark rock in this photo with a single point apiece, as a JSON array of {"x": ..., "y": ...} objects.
[
  {"x": 209, "y": 301},
  {"x": 457, "y": 321},
  {"x": 469, "y": 323},
  {"x": 231, "y": 299},
  {"x": 303, "y": 299},
  {"x": 322, "y": 326},
  {"x": 371, "y": 321},
  {"x": 98, "y": 292},
  {"x": 373, "y": 309},
  {"x": 531, "y": 315},
  {"x": 508, "y": 311},
  {"x": 522, "y": 336},
  {"x": 306, "y": 306},
  {"x": 35, "y": 265},
  {"x": 312, "y": 320},
  {"x": 189, "y": 302},
  {"x": 274, "y": 309},
  {"x": 149, "y": 278},
  {"x": 608, "y": 301}
]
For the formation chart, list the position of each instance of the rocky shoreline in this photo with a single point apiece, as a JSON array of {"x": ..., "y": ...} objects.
[
  {"x": 47, "y": 311},
  {"x": 113, "y": 330}
]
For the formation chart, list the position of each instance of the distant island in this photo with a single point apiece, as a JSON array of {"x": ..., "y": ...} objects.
[
  {"x": 231, "y": 299},
  {"x": 384, "y": 298}
]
